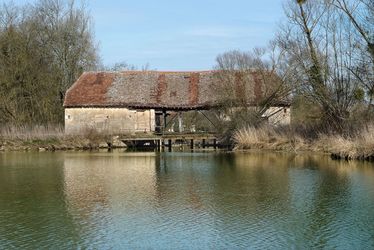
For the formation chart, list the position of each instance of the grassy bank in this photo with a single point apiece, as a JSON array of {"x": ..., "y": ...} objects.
[
  {"x": 48, "y": 138},
  {"x": 358, "y": 145}
]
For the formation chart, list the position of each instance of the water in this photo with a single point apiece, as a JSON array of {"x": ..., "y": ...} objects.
[{"x": 124, "y": 200}]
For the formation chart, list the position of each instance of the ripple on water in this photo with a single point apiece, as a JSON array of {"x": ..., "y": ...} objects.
[{"x": 115, "y": 201}]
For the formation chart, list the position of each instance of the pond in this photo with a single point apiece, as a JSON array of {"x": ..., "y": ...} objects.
[{"x": 117, "y": 200}]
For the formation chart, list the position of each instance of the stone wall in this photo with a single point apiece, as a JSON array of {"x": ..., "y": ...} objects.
[
  {"x": 274, "y": 115},
  {"x": 279, "y": 115},
  {"x": 108, "y": 120}
]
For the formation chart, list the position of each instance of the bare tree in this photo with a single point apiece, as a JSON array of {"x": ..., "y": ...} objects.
[
  {"x": 360, "y": 13},
  {"x": 249, "y": 84},
  {"x": 124, "y": 66},
  {"x": 319, "y": 47},
  {"x": 44, "y": 47},
  {"x": 65, "y": 29}
]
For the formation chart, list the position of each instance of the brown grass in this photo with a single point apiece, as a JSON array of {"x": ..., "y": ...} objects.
[
  {"x": 268, "y": 137},
  {"x": 32, "y": 132},
  {"x": 47, "y": 138},
  {"x": 359, "y": 145}
]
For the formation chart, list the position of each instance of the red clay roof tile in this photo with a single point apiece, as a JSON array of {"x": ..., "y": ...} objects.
[{"x": 151, "y": 89}]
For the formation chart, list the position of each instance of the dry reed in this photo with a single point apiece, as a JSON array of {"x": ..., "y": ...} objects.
[
  {"x": 359, "y": 145},
  {"x": 32, "y": 132},
  {"x": 268, "y": 137},
  {"x": 50, "y": 137}
]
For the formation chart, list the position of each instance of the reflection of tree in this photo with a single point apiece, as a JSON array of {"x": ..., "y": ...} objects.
[
  {"x": 331, "y": 197},
  {"x": 32, "y": 198},
  {"x": 242, "y": 198},
  {"x": 227, "y": 192},
  {"x": 171, "y": 185},
  {"x": 250, "y": 196},
  {"x": 267, "y": 200}
]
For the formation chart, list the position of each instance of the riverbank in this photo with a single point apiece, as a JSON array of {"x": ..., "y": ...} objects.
[
  {"x": 51, "y": 138},
  {"x": 358, "y": 146},
  {"x": 52, "y": 144}
]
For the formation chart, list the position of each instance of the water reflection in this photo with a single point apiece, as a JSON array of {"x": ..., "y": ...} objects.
[
  {"x": 184, "y": 200},
  {"x": 32, "y": 209}
]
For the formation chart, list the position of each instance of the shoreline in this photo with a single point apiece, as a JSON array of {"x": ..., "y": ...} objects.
[
  {"x": 356, "y": 146},
  {"x": 314, "y": 148},
  {"x": 55, "y": 144},
  {"x": 325, "y": 146}
]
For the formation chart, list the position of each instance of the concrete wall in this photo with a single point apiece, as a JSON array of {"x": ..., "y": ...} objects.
[{"x": 108, "y": 120}]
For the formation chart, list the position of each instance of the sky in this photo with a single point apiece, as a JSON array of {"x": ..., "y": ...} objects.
[{"x": 180, "y": 35}]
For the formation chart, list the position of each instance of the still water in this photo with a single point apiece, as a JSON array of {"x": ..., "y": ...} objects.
[{"x": 121, "y": 200}]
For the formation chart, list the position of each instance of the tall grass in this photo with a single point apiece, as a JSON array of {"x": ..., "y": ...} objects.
[
  {"x": 40, "y": 132},
  {"x": 357, "y": 145},
  {"x": 249, "y": 137},
  {"x": 50, "y": 137},
  {"x": 268, "y": 137}
]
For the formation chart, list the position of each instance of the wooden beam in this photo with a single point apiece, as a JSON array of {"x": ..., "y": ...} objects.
[{"x": 180, "y": 122}]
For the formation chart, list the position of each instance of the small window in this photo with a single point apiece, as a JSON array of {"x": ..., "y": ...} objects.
[
  {"x": 68, "y": 117},
  {"x": 285, "y": 111}
]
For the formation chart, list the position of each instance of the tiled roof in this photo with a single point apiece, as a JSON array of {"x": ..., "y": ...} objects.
[{"x": 149, "y": 89}]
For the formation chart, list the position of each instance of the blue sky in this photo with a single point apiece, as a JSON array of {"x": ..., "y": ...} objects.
[{"x": 180, "y": 35}]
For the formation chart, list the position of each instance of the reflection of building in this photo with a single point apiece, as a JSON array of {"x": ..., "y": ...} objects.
[
  {"x": 179, "y": 181},
  {"x": 227, "y": 198},
  {"x": 92, "y": 180}
]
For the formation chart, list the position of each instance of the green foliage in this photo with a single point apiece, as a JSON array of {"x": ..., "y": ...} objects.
[{"x": 359, "y": 94}]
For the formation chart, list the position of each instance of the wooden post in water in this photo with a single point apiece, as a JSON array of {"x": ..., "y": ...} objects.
[
  {"x": 162, "y": 142},
  {"x": 191, "y": 146},
  {"x": 215, "y": 143},
  {"x": 169, "y": 145},
  {"x": 203, "y": 143}
]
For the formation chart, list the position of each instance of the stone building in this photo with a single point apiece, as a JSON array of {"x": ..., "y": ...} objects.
[{"x": 138, "y": 101}]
